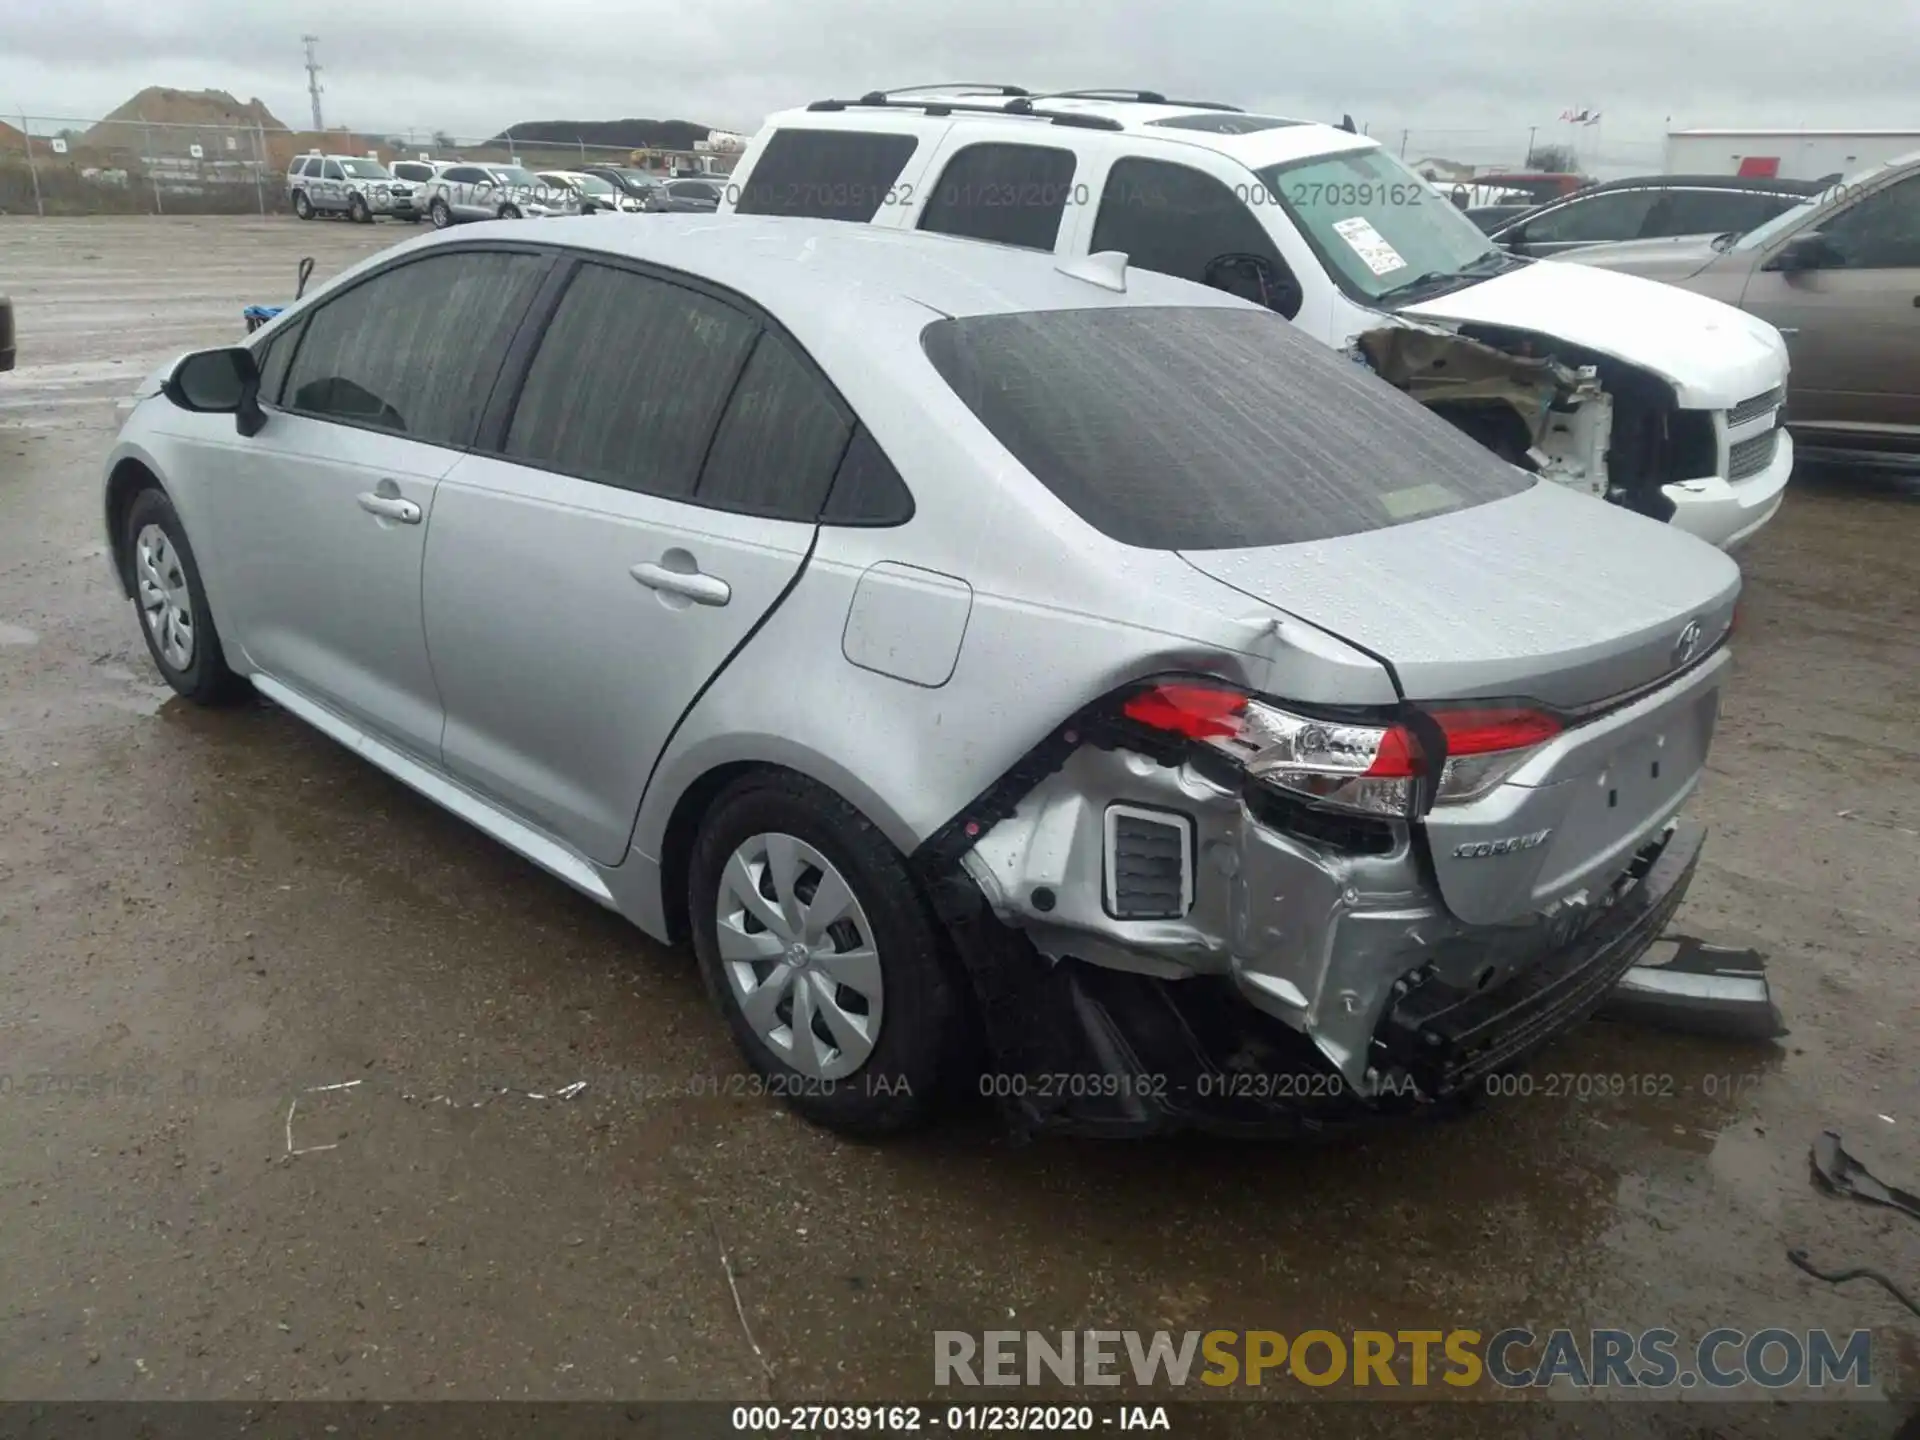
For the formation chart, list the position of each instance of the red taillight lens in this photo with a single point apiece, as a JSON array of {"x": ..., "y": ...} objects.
[
  {"x": 1198, "y": 712},
  {"x": 1480, "y": 732}
]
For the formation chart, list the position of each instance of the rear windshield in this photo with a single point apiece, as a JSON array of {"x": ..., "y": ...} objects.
[{"x": 1200, "y": 428}]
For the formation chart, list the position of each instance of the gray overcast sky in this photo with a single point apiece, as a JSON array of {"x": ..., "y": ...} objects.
[{"x": 1468, "y": 76}]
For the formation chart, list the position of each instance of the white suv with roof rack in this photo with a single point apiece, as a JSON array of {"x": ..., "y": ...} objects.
[
  {"x": 1657, "y": 399},
  {"x": 356, "y": 186}
]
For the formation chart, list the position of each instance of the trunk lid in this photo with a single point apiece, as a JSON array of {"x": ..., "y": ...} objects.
[{"x": 1547, "y": 595}]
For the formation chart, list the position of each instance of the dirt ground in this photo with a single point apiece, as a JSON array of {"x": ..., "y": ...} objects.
[{"x": 204, "y": 916}]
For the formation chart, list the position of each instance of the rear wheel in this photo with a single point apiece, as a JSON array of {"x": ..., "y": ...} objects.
[
  {"x": 302, "y": 206},
  {"x": 172, "y": 604},
  {"x": 822, "y": 955}
]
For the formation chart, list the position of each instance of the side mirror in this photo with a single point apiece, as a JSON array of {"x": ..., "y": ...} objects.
[
  {"x": 219, "y": 382},
  {"x": 1805, "y": 252}
]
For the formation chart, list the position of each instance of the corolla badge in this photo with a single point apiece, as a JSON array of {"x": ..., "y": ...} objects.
[
  {"x": 1688, "y": 643},
  {"x": 1481, "y": 849}
]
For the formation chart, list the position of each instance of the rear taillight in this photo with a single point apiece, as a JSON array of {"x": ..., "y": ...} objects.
[{"x": 1371, "y": 769}]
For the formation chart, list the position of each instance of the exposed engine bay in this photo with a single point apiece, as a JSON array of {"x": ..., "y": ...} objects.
[{"x": 1573, "y": 416}]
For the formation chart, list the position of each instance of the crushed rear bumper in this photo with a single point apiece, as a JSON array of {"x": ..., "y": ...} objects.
[{"x": 1089, "y": 1049}]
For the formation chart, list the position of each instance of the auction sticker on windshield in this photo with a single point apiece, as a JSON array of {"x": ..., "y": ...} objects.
[{"x": 1369, "y": 244}]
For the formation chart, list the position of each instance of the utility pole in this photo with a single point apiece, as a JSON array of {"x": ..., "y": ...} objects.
[
  {"x": 1531, "y": 129},
  {"x": 313, "y": 80}
]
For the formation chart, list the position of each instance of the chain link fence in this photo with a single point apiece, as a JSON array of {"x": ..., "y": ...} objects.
[{"x": 64, "y": 166}]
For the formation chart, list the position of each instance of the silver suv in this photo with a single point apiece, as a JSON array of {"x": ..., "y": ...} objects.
[
  {"x": 354, "y": 186},
  {"x": 495, "y": 192},
  {"x": 950, "y": 639}
]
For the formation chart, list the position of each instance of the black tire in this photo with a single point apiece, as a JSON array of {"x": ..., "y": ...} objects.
[
  {"x": 922, "y": 1035},
  {"x": 509, "y": 212},
  {"x": 205, "y": 680},
  {"x": 442, "y": 215},
  {"x": 358, "y": 212},
  {"x": 302, "y": 206}
]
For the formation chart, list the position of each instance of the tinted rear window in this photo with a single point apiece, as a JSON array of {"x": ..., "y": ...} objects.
[
  {"x": 827, "y": 174},
  {"x": 1203, "y": 429},
  {"x": 1012, "y": 194}
]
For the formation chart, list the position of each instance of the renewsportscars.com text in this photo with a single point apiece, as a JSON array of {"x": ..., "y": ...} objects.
[{"x": 1514, "y": 1358}]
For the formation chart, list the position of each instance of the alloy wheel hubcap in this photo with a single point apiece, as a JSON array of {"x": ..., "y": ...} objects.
[
  {"x": 165, "y": 602},
  {"x": 798, "y": 953}
]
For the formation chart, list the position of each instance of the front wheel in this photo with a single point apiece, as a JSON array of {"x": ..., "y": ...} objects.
[
  {"x": 442, "y": 216},
  {"x": 172, "y": 604},
  {"x": 823, "y": 956},
  {"x": 358, "y": 212},
  {"x": 509, "y": 212},
  {"x": 302, "y": 206}
]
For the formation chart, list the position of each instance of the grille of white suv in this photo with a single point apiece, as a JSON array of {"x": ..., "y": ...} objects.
[
  {"x": 1755, "y": 407},
  {"x": 1750, "y": 457}
]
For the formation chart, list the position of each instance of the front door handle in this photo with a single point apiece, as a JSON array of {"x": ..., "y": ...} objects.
[
  {"x": 701, "y": 589},
  {"x": 1787, "y": 332},
  {"x": 389, "y": 507}
]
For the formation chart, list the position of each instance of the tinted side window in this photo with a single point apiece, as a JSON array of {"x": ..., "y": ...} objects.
[
  {"x": 867, "y": 490},
  {"x": 1710, "y": 212},
  {"x": 1177, "y": 220},
  {"x": 333, "y": 171},
  {"x": 462, "y": 175},
  {"x": 828, "y": 174},
  {"x": 416, "y": 349},
  {"x": 780, "y": 440},
  {"x": 1616, "y": 215},
  {"x": 1013, "y": 194},
  {"x": 407, "y": 170},
  {"x": 274, "y": 357},
  {"x": 1881, "y": 232},
  {"x": 630, "y": 378}
]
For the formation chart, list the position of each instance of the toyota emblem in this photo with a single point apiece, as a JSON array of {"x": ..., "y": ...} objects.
[{"x": 1688, "y": 642}]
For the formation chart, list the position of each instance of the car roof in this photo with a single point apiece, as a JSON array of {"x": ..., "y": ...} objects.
[
  {"x": 826, "y": 273},
  {"x": 1756, "y": 183},
  {"x": 1279, "y": 140}
]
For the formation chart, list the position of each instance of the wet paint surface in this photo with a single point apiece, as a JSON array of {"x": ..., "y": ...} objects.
[{"x": 204, "y": 916}]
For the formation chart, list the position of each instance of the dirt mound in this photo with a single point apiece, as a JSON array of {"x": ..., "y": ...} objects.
[{"x": 157, "y": 105}]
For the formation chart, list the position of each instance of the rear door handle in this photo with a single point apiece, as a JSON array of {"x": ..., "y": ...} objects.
[
  {"x": 389, "y": 507},
  {"x": 701, "y": 589},
  {"x": 1789, "y": 331}
]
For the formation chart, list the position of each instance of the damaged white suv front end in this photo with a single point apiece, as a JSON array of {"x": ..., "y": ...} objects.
[{"x": 1662, "y": 401}]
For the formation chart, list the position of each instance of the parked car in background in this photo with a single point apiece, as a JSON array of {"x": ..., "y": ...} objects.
[
  {"x": 420, "y": 174},
  {"x": 495, "y": 192},
  {"x": 596, "y": 192},
  {"x": 8, "y": 344},
  {"x": 1839, "y": 275},
  {"x": 354, "y": 186},
  {"x": 1648, "y": 208},
  {"x": 1619, "y": 391},
  {"x": 926, "y": 630},
  {"x": 1491, "y": 217},
  {"x": 641, "y": 185},
  {"x": 693, "y": 196}
]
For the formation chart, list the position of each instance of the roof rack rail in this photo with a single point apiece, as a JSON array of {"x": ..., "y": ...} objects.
[
  {"x": 969, "y": 87},
  {"x": 1020, "y": 106},
  {"x": 1143, "y": 97}
]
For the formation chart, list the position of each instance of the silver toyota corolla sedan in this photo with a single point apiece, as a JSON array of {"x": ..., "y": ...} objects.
[{"x": 1056, "y": 680}]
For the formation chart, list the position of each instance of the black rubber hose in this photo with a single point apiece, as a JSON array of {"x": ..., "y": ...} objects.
[{"x": 1859, "y": 1272}]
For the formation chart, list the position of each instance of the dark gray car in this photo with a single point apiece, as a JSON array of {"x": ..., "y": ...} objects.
[
  {"x": 695, "y": 196},
  {"x": 1648, "y": 208}
]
